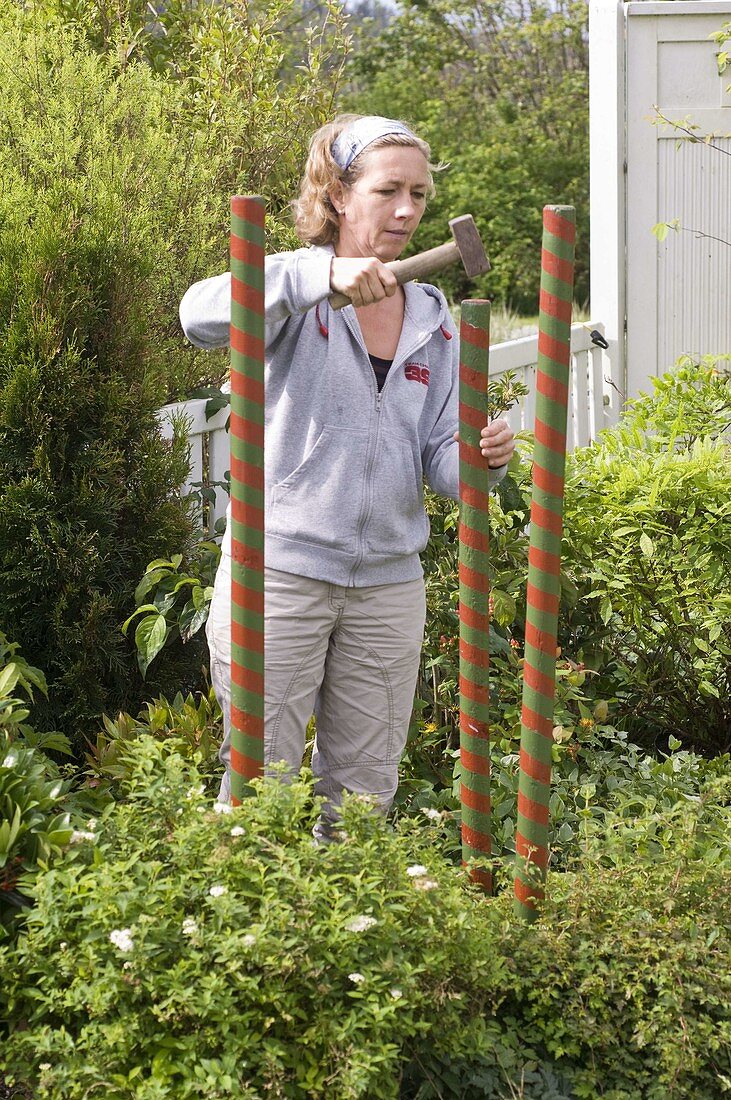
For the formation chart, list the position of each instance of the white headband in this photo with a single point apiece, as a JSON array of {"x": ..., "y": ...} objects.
[{"x": 352, "y": 141}]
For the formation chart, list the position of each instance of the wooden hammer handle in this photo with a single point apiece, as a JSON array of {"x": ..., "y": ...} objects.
[{"x": 416, "y": 267}]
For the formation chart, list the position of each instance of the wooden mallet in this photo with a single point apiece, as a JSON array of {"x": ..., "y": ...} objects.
[{"x": 466, "y": 246}]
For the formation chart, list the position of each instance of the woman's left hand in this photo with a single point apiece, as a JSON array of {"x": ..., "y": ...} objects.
[{"x": 497, "y": 443}]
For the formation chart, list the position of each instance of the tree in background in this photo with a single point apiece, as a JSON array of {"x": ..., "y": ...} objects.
[{"x": 500, "y": 89}]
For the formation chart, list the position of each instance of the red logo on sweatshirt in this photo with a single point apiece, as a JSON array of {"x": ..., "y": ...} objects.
[{"x": 415, "y": 372}]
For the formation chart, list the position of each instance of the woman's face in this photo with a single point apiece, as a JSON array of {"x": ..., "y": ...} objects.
[{"x": 380, "y": 212}]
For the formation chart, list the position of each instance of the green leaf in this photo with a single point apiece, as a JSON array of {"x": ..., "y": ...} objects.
[
  {"x": 9, "y": 678},
  {"x": 191, "y": 620},
  {"x": 151, "y": 578},
  {"x": 646, "y": 545},
  {"x": 150, "y": 637},
  {"x": 504, "y": 607},
  {"x": 144, "y": 610},
  {"x": 497, "y": 644}
]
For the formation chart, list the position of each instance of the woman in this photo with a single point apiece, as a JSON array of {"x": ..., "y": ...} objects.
[{"x": 361, "y": 405}]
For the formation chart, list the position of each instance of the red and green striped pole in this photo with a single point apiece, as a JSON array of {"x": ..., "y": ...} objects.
[
  {"x": 474, "y": 617},
  {"x": 544, "y": 557},
  {"x": 247, "y": 492}
]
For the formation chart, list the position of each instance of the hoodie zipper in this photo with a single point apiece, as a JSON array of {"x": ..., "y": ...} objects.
[
  {"x": 370, "y": 455},
  {"x": 422, "y": 340}
]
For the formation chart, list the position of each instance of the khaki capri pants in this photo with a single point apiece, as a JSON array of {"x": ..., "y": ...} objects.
[{"x": 350, "y": 656}]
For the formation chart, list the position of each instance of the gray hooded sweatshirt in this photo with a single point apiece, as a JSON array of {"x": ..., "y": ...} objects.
[{"x": 345, "y": 464}]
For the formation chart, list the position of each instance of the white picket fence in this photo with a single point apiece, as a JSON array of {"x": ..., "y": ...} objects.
[{"x": 594, "y": 402}]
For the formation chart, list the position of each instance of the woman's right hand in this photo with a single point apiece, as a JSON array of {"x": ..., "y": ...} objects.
[{"x": 363, "y": 279}]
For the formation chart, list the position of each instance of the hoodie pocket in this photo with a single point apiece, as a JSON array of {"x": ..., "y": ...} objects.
[
  {"x": 397, "y": 521},
  {"x": 321, "y": 501}
]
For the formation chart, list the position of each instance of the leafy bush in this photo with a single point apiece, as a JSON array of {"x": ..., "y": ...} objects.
[
  {"x": 34, "y": 823},
  {"x": 16, "y": 675},
  {"x": 648, "y": 509},
  {"x": 192, "y": 727},
  {"x": 184, "y": 952},
  {"x": 599, "y": 774},
  {"x": 172, "y": 604},
  {"x": 238, "y": 90},
  {"x": 35, "y": 807},
  {"x": 255, "y": 82}
]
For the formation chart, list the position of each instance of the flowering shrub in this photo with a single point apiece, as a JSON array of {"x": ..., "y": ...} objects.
[
  {"x": 34, "y": 823},
  {"x": 184, "y": 952}
]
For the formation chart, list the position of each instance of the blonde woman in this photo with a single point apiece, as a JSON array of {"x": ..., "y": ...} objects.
[{"x": 361, "y": 408}]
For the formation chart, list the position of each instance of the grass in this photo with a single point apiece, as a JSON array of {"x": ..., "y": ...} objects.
[{"x": 507, "y": 324}]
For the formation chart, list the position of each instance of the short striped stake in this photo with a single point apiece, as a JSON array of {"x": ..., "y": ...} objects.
[
  {"x": 544, "y": 557},
  {"x": 247, "y": 492},
  {"x": 474, "y": 615}
]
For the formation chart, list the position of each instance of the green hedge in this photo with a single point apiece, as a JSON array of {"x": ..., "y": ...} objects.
[
  {"x": 88, "y": 489},
  {"x": 121, "y": 144},
  {"x": 647, "y": 519},
  {"x": 183, "y": 952}
]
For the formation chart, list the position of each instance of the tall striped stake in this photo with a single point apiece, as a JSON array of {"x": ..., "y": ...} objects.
[
  {"x": 247, "y": 492},
  {"x": 474, "y": 617},
  {"x": 544, "y": 557}
]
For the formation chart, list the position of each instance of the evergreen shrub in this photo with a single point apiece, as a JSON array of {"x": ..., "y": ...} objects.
[
  {"x": 186, "y": 949},
  {"x": 88, "y": 489},
  {"x": 122, "y": 141}
]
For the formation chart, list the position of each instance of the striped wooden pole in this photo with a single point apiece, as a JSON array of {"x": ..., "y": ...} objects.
[
  {"x": 544, "y": 556},
  {"x": 474, "y": 619},
  {"x": 247, "y": 492}
]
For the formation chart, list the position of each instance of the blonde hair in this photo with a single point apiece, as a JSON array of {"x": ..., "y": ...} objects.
[{"x": 315, "y": 218}]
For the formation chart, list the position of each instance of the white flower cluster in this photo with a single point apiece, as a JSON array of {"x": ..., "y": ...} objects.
[
  {"x": 356, "y": 979},
  {"x": 218, "y": 891},
  {"x": 189, "y": 927},
  {"x": 195, "y": 792},
  {"x": 81, "y": 834},
  {"x": 361, "y": 923},
  {"x": 238, "y": 830},
  {"x": 221, "y": 808},
  {"x": 123, "y": 939},
  {"x": 248, "y": 940},
  {"x": 420, "y": 875},
  {"x": 432, "y": 814}
]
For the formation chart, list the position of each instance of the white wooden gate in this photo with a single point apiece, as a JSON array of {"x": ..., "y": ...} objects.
[{"x": 660, "y": 299}]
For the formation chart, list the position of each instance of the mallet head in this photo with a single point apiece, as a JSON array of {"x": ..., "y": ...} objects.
[{"x": 471, "y": 248}]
